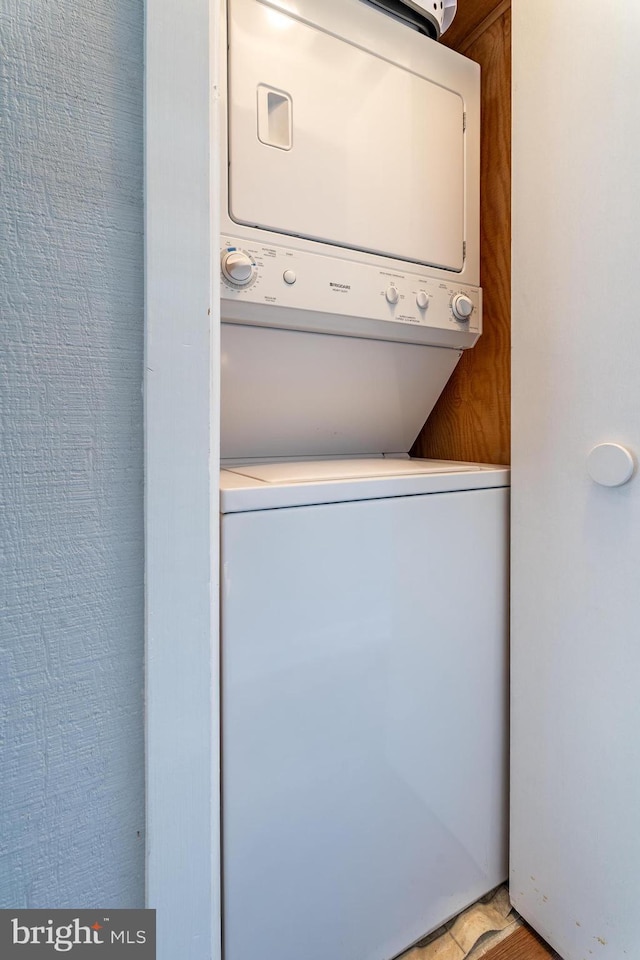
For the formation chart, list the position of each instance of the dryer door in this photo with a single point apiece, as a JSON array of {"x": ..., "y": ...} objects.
[{"x": 329, "y": 142}]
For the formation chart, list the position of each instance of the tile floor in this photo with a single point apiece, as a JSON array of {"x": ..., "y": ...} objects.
[{"x": 474, "y": 933}]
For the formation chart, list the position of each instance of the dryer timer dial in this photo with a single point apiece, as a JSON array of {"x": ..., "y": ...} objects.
[
  {"x": 462, "y": 307},
  {"x": 238, "y": 268}
]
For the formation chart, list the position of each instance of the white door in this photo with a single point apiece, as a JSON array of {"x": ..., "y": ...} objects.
[
  {"x": 331, "y": 142},
  {"x": 364, "y": 722},
  {"x": 575, "y": 872}
]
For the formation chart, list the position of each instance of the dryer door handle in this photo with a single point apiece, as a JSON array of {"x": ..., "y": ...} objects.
[{"x": 275, "y": 117}]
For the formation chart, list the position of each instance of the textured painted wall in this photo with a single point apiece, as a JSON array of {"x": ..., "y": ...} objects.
[{"x": 71, "y": 304}]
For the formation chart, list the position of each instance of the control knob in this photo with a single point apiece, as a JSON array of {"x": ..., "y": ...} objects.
[
  {"x": 422, "y": 299},
  {"x": 462, "y": 307},
  {"x": 392, "y": 294},
  {"x": 237, "y": 267}
]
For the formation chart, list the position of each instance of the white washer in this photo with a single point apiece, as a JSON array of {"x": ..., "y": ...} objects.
[{"x": 364, "y": 697}]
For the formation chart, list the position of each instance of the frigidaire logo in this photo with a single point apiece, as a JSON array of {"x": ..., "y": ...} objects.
[
  {"x": 40, "y": 933},
  {"x": 340, "y": 286}
]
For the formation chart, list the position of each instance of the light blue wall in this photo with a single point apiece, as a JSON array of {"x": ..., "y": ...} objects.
[{"x": 71, "y": 305}]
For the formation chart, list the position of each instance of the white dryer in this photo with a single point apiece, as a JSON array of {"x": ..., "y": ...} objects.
[{"x": 364, "y": 699}]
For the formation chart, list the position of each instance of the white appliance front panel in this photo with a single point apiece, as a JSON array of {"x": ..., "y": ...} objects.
[
  {"x": 331, "y": 142},
  {"x": 364, "y": 699},
  {"x": 286, "y": 393},
  {"x": 359, "y": 299}
]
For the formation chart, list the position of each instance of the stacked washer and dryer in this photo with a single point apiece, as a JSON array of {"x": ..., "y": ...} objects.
[{"x": 364, "y": 594}]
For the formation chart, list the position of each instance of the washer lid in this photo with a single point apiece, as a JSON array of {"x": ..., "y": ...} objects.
[
  {"x": 311, "y": 471},
  {"x": 269, "y": 486}
]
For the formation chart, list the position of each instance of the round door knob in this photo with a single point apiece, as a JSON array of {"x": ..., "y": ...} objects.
[
  {"x": 237, "y": 267},
  {"x": 462, "y": 306},
  {"x": 422, "y": 299},
  {"x": 610, "y": 464},
  {"x": 392, "y": 294}
]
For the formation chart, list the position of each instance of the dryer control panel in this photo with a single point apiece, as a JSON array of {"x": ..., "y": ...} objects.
[{"x": 308, "y": 291}]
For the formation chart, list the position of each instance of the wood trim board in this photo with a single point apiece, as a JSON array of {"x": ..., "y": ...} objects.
[
  {"x": 472, "y": 16},
  {"x": 471, "y": 420},
  {"x": 523, "y": 944},
  {"x": 469, "y": 40}
]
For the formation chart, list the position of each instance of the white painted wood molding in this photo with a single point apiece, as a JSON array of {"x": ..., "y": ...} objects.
[{"x": 182, "y": 461}]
